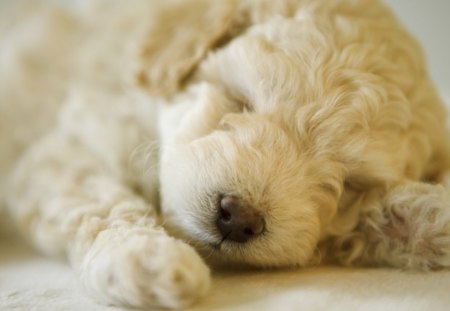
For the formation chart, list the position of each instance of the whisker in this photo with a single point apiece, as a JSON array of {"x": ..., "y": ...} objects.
[
  {"x": 219, "y": 245},
  {"x": 211, "y": 252},
  {"x": 146, "y": 155}
]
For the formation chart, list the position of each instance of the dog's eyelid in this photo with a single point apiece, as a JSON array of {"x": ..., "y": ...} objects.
[
  {"x": 241, "y": 103},
  {"x": 245, "y": 106},
  {"x": 246, "y": 109}
]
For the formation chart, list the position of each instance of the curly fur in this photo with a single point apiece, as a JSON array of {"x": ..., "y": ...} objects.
[{"x": 319, "y": 114}]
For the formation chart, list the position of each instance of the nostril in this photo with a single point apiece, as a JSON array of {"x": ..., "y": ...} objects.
[
  {"x": 225, "y": 215},
  {"x": 248, "y": 231}
]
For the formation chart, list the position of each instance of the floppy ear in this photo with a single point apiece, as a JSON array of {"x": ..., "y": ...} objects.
[{"x": 179, "y": 36}]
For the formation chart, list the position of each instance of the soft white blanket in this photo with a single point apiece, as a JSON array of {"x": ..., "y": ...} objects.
[{"x": 30, "y": 282}]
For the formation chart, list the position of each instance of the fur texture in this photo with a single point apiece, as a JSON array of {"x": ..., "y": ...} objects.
[{"x": 318, "y": 114}]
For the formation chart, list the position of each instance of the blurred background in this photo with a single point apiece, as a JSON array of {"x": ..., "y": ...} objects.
[{"x": 429, "y": 21}]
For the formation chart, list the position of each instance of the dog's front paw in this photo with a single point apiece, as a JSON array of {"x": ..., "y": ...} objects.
[
  {"x": 410, "y": 229},
  {"x": 143, "y": 267},
  {"x": 418, "y": 225}
]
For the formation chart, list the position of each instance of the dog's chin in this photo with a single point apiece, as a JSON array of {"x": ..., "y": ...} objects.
[
  {"x": 232, "y": 254},
  {"x": 264, "y": 251}
]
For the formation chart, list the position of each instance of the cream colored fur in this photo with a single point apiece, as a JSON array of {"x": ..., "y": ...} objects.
[{"x": 320, "y": 114}]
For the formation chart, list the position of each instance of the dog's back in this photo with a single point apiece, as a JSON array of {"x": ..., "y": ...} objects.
[{"x": 36, "y": 45}]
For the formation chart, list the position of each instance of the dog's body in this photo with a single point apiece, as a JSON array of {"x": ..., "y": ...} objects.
[{"x": 315, "y": 119}]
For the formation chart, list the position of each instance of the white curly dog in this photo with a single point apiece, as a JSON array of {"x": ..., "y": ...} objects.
[{"x": 289, "y": 133}]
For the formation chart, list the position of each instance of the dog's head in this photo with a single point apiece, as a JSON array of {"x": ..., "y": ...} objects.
[
  {"x": 245, "y": 190},
  {"x": 244, "y": 173}
]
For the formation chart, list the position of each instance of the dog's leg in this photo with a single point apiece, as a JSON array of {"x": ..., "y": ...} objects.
[
  {"x": 69, "y": 203},
  {"x": 408, "y": 226}
]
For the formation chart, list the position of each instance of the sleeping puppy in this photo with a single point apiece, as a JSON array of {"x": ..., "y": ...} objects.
[{"x": 288, "y": 133}]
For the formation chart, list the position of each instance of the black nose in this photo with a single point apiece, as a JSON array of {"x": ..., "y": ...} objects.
[{"x": 237, "y": 221}]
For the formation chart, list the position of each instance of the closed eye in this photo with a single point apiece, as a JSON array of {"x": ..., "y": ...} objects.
[
  {"x": 238, "y": 104},
  {"x": 246, "y": 109},
  {"x": 239, "y": 101},
  {"x": 244, "y": 105}
]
